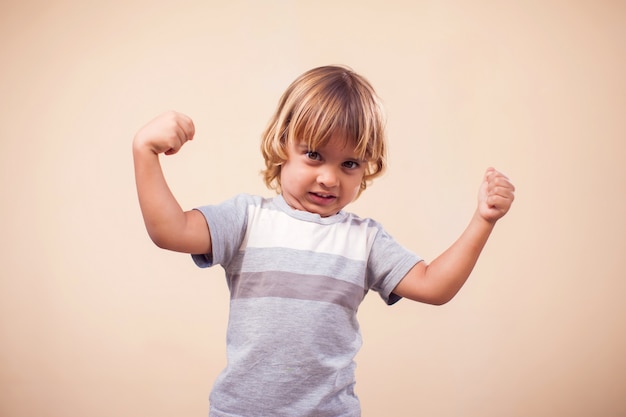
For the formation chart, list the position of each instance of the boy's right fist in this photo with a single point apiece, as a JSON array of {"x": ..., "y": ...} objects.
[{"x": 166, "y": 133}]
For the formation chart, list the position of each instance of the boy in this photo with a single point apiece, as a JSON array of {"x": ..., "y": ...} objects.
[{"x": 298, "y": 265}]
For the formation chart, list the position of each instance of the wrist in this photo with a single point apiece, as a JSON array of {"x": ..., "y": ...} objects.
[
  {"x": 143, "y": 149},
  {"x": 483, "y": 222}
]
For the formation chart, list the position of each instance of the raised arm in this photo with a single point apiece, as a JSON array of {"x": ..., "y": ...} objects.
[
  {"x": 438, "y": 282},
  {"x": 167, "y": 224}
]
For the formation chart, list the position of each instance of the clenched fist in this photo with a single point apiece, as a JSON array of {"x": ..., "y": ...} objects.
[
  {"x": 495, "y": 196},
  {"x": 166, "y": 133}
]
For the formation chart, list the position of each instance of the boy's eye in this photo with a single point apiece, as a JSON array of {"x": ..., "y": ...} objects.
[
  {"x": 313, "y": 155},
  {"x": 351, "y": 164}
]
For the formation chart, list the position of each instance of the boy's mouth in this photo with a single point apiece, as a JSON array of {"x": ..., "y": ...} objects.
[{"x": 322, "y": 197}]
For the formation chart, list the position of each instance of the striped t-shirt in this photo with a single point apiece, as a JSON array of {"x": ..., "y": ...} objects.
[{"x": 296, "y": 281}]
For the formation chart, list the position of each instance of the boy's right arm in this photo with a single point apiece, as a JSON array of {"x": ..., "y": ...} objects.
[{"x": 167, "y": 224}]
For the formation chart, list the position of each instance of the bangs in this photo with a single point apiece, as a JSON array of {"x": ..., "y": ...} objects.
[
  {"x": 338, "y": 109},
  {"x": 325, "y": 103}
]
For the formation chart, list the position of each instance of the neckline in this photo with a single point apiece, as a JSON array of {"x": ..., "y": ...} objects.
[{"x": 280, "y": 202}]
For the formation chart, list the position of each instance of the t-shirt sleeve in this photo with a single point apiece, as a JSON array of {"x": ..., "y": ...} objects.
[
  {"x": 387, "y": 264},
  {"x": 227, "y": 225}
]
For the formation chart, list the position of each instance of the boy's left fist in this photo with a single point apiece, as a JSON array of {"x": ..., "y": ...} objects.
[{"x": 495, "y": 196}]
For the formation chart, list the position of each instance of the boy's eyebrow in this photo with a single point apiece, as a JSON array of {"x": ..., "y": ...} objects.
[{"x": 304, "y": 146}]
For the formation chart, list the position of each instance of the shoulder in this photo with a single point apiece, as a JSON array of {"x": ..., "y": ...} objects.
[
  {"x": 357, "y": 221},
  {"x": 239, "y": 202},
  {"x": 246, "y": 199},
  {"x": 230, "y": 212},
  {"x": 380, "y": 242}
]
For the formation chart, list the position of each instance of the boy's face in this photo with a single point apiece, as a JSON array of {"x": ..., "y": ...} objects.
[{"x": 323, "y": 181}]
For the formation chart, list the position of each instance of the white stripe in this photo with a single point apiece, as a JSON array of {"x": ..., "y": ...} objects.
[{"x": 274, "y": 228}]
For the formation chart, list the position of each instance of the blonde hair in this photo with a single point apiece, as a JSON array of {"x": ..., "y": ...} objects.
[{"x": 318, "y": 104}]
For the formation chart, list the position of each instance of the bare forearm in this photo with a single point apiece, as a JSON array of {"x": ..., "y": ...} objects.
[
  {"x": 158, "y": 205},
  {"x": 438, "y": 282},
  {"x": 168, "y": 225},
  {"x": 161, "y": 212},
  {"x": 447, "y": 273}
]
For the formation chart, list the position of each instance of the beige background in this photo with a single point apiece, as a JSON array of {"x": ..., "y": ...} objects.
[{"x": 96, "y": 321}]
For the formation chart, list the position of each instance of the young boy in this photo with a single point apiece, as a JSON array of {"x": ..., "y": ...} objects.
[{"x": 297, "y": 265}]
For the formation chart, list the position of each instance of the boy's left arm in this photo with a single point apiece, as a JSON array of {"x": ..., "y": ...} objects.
[{"x": 438, "y": 282}]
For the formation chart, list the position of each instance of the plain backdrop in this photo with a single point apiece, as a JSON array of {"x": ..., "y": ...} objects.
[{"x": 97, "y": 321}]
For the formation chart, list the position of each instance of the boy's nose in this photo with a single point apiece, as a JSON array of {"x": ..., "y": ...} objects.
[{"x": 328, "y": 177}]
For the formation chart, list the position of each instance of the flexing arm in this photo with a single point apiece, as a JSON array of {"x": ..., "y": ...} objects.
[
  {"x": 438, "y": 282},
  {"x": 167, "y": 224}
]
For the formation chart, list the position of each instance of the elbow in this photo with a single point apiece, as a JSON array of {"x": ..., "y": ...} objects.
[
  {"x": 439, "y": 301},
  {"x": 160, "y": 244},
  {"x": 159, "y": 240},
  {"x": 432, "y": 299}
]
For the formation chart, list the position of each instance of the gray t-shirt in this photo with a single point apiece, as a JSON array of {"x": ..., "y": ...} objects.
[{"x": 296, "y": 281}]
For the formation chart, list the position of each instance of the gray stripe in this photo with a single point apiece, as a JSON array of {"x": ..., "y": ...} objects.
[
  {"x": 296, "y": 286},
  {"x": 300, "y": 262}
]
